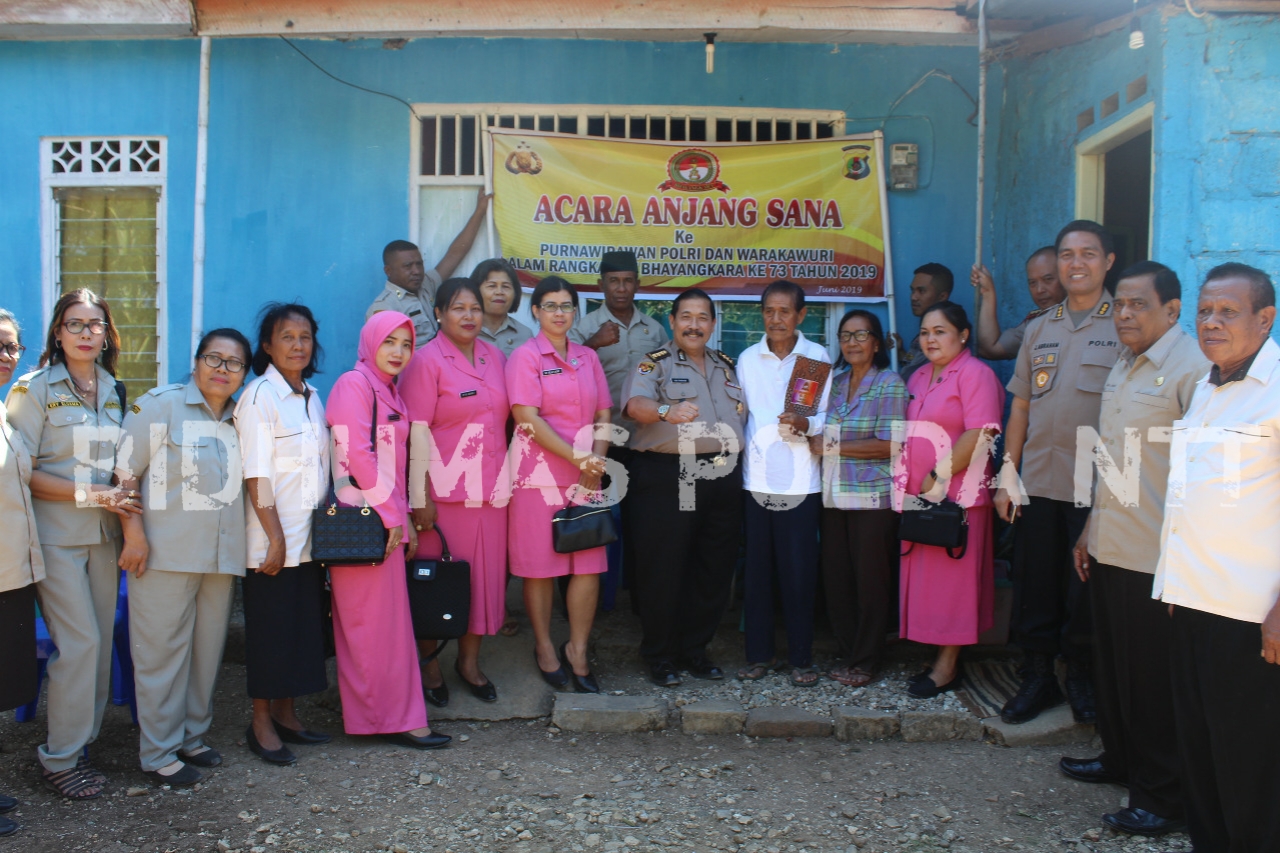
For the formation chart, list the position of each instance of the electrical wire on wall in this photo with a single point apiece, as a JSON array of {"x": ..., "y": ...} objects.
[
  {"x": 326, "y": 73},
  {"x": 1193, "y": 12}
]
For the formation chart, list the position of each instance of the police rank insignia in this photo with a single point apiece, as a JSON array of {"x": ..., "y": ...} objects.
[
  {"x": 1057, "y": 315},
  {"x": 19, "y": 389},
  {"x": 1041, "y": 378},
  {"x": 136, "y": 409},
  {"x": 1106, "y": 306},
  {"x": 646, "y": 367}
]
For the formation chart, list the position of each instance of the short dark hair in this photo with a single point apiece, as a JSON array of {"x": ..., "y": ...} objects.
[
  {"x": 448, "y": 291},
  {"x": 396, "y": 246},
  {"x": 881, "y": 357},
  {"x": 1263, "y": 292},
  {"x": 53, "y": 354},
  {"x": 7, "y": 318},
  {"x": 788, "y": 288},
  {"x": 552, "y": 284},
  {"x": 1090, "y": 227},
  {"x": 1043, "y": 250},
  {"x": 952, "y": 313},
  {"x": 1167, "y": 284},
  {"x": 228, "y": 333},
  {"x": 268, "y": 318},
  {"x": 693, "y": 293},
  {"x": 944, "y": 281},
  {"x": 485, "y": 268}
]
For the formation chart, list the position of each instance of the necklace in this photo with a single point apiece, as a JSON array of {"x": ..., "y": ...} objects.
[{"x": 82, "y": 391}]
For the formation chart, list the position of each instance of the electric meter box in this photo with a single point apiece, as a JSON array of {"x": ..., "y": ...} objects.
[{"x": 904, "y": 166}]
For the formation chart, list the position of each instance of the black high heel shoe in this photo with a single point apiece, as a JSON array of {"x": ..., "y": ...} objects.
[
  {"x": 484, "y": 692},
  {"x": 557, "y": 678},
  {"x": 581, "y": 683}
]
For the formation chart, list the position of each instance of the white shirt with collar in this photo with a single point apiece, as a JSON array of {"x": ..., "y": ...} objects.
[
  {"x": 284, "y": 439},
  {"x": 773, "y": 465},
  {"x": 1220, "y": 542}
]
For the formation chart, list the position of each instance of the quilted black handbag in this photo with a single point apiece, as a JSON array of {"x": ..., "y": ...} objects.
[
  {"x": 577, "y": 528},
  {"x": 944, "y": 524},
  {"x": 439, "y": 596},
  {"x": 348, "y": 535}
]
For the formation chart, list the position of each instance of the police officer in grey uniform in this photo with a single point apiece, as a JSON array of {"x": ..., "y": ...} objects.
[
  {"x": 1061, "y": 370},
  {"x": 685, "y": 490},
  {"x": 411, "y": 288},
  {"x": 68, "y": 413}
]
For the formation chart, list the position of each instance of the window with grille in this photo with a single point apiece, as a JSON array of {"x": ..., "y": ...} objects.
[{"x": 105, "y": 232}]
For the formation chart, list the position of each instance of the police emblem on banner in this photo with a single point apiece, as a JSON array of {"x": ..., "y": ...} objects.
[
  {"x": 524, "y": 161},
  {"x": 857, "y": 161},
  {"x": 693, "y": 170}
]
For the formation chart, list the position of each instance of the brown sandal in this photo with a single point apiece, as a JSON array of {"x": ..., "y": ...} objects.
[
  {"x": 852, "y": 676},
  {"x": 510, "y": 627},
  {"x": 756, "y": 671},
  {"x": 74, "y": 784}
]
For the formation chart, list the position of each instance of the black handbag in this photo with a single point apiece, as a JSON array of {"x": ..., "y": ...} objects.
[
  {"x": 348, "y": 535},
  {"x": 944, "y": 525},
  {"x": 577, "y": 528},
  {"x": 439, "y": 596}
]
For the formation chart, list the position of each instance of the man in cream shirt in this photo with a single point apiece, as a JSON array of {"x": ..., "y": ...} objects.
[{"x": 1219, "y": 570}]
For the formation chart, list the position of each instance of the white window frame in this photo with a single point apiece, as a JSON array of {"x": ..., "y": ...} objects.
[{"x": 49, "y": 261}]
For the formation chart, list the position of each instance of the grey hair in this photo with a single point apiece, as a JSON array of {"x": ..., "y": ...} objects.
[{"x": 6, "y": 316}]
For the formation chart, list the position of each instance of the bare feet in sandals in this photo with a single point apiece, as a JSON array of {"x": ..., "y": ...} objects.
[
  {"x": 852, "y": 676},
  {"x": 74, "y": 783},
  {"x": 756, "y": 671},
  {"x": 804, "y": 676},
  {"x": 510, "y": 627}
]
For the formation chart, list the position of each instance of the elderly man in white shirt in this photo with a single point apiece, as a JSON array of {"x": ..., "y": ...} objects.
[
  {"x": 1219, "y": 570},
  {"x": 783, "y": 481}
]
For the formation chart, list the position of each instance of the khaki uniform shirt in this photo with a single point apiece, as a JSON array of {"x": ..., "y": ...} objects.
[
  {"x": 1061, "y": 371},
  {"x": 619, "y": 360},
  {"x": 1010, "y": 340},
  {"x": 420, "y": 306},
  {"x": 1143, "y": 396},
  {"x": 510, "y": 335},
  {"x": 189, "y": 467},
  {"x": 52, "y": 419},
  {"x": 667, "y": 376},
  {"x": 21, "y": 563}
]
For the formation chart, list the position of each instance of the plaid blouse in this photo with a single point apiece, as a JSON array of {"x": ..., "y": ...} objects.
[{"x": 879, "y": 405}]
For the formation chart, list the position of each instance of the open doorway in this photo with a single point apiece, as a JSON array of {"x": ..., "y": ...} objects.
[{"x": 1113, "y": 184}]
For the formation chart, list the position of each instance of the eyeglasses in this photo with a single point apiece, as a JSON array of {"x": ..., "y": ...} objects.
[
  {"x": 233, "y": 365},
  {"x": 861, "y": 336},
  {"x": 14, "y": 351},
  {"x": 75, "y": 327},
  {"x": 558, "y": 308}
]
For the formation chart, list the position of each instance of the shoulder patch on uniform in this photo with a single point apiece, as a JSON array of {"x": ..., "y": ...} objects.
[
  {"x": 136, "y": 409},
  {"x": 1034, "y": 314},
  {"x": 1103, "y": 309},
  {"x": 19, "y": 389},
  {"x": 658, "y": 354},
  {"x": 646, "y": 367},
  {"x": 730, "y": 361},
  {"x": 1057, "y": 315}
]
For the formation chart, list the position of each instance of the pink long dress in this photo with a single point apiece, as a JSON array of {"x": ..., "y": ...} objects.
[
  {"x": 378, "y": 675},
  {"x": 950, "y": 602},
  {"x": 465, "y": 406},
  {"x": 567, "y": 392}
]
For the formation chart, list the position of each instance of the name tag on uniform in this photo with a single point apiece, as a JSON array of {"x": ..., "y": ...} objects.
[
  {"x": 394, "y": 416},
  {"x": 680, "y": 379},
  {"x": 553, "y": 372},
  {"x": 468, "y": 393},
  {"x": 60, "y": 403}
]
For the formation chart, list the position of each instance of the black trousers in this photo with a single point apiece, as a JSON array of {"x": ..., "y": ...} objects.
[
  {"x": 782, "y": 544},
  {"x": 1226, "y": 705},
  {"x": 859, "y": 556},
  {"x": 284, "y": 632},
  {"x": 1051, "y": 613},
  {"x": 18, "y": 666},
  {"x": 1134, "y": 692},
  {"x": 684, "y": 558}
]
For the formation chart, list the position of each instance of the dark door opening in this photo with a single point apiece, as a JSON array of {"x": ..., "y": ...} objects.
[{"x": 1126, "y": 207}]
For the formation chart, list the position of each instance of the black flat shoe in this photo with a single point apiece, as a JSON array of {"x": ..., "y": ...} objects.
[
  {"x": 438, "y": 696},
  {"x": 557, "y": 678},
  {"x": 7, "y": 827},
  {"x": 209, "y": 758},
  {"x": 282, "y": 756},
  {"x": 663, "y": 673},
  {"x": 304, "y": 736},
  {"x": 184, "y": 778},
  {"x": 1142, "y": 822},
  {"x": 581, "y": 683},
  {"x": 926, "y": 689},
  {"x": 923, "y": 675},
  {"x": 435, "y": 740},
  {"x": 484, "y": 692},
  {"x": 7, "y": 804},
  {"x": 702, "y": 667},
  {"x": 1089, "y": 770}
]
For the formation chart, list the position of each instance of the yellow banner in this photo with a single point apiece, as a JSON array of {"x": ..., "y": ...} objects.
[{"x": 727, "y": 217}]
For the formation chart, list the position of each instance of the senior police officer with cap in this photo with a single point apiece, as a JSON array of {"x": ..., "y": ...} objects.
[
  {"x": 411, "y": 288},
  {"x": 685, "y": 489},
  {"x": 1057, "y": 386}
]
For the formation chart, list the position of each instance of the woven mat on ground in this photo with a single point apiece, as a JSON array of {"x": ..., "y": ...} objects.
[{"x": 988, "y": 684}]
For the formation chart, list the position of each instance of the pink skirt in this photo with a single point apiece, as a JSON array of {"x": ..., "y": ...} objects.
[
  {"x": 948, "y": 602},
  {"x": 478, "y": 535},
  {"x": 529, "y": 540}
]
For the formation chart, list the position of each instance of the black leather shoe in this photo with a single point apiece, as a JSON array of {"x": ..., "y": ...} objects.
[
  {"x": 282, "y": 756},
  {"x": 923, "y": 675},
  {"x": 1039, "y": 690},
  {"x": 304, "y": 736},
  {"x": 7, "y": 804},
  {"x": 702, "y": 667},
  {"x": 438, "y": 696},
  {"x": 663, "y": 673},
  {"x": 1084, "y": 707},
  {"x": 435, "y": 740},
  {"x": 581, "y": 683},
  {"x": 484, "y": 692},
  {"x": 1089, "y": 770},
  {"x": 557, "y": 678},
  {"x": 7, "y": 827},
  {"x": 183, "y": 778},
  {"x": 1142, "y": 822},
  {"x": 209, "y": 758},
  {"x": 926, "y": 689}
]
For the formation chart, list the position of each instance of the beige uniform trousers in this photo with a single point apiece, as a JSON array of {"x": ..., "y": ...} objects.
[
  {"x": 78, "y": 600},
  {"x": 177, "y": 627}
]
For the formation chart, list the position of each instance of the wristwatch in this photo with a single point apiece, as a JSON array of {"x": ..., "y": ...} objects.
[{"x": 663, "y": 410}]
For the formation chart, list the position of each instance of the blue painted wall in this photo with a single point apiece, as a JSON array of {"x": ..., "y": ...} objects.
[{"x": 308, "y": 179}]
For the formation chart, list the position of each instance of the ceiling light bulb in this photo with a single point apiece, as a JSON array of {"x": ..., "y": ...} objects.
[
  {"x": 1136, "y": 39},
  {"x": 711, "y": 51}
]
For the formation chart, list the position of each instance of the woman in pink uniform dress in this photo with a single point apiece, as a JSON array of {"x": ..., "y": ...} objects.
[
  {"x": 378, "y": 675},
  {"x": 957, "y": 404},
  {"x": 561, "y": 403},
  {"x": 457, "y": 397}
]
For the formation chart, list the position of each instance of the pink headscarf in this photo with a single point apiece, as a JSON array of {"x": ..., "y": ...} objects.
[{"x": 375, "y": 331}]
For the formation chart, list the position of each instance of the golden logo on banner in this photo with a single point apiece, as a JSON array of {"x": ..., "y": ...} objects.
[{"x": 727, "y": 217}]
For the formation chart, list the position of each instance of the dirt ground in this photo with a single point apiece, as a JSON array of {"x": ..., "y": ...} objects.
[{"x": 524, "y": 786}]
